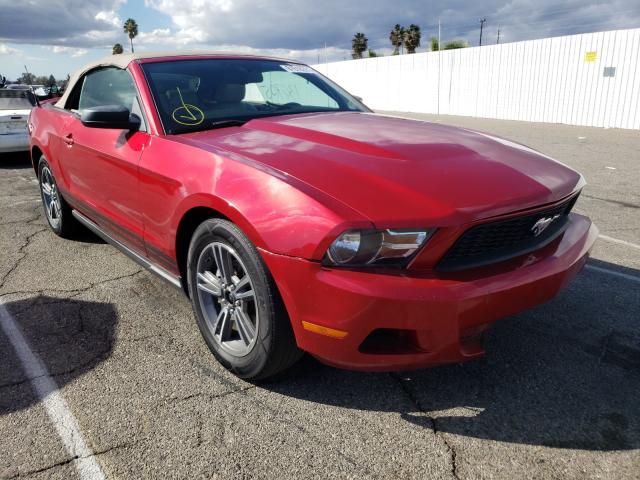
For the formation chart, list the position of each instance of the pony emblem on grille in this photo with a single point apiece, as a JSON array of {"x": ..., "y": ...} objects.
[{"x": 542, "y": 224}]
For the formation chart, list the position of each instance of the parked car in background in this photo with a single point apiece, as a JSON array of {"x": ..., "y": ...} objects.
[
  {"x": 15, "y": 106},
  {"x": 45, "y": 92},
  {"x": 296, "y": 220},
  {"x": 39, "y": 90},
  {"x": 18, "y": 86}
]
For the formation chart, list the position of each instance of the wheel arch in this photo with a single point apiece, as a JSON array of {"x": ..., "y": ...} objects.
[
  {"x": 36, "y": 153},
  {"x": 197, "y": 210},
  {"x": 190, "y": 220}
]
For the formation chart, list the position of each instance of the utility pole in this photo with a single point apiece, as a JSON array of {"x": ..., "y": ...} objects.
[
  {"x": 28, "y": 75},
  {"x": 482, "y": 20},
  {"x": 498, "y": 40}
]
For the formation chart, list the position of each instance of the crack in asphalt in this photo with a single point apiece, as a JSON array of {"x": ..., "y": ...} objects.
[
  {"x": 434, "y": 425},
  {"x": 279, "y": 416},
  {"x": 96, "y": 359},
  {"x": 24, "y": 254},
  {"x": 75, "y": 291},
  {"x": 210, "y": 396},
  {"x": 615, "y": 202},
  {"x": 28, "y": 221},
  {"x": 74, "y": 458}
]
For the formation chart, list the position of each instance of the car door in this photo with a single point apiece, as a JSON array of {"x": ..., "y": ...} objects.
[{"x": 101, "y": 164}]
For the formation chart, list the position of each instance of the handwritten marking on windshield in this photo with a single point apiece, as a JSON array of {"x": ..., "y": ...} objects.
[{"x": 187, "y": 114}]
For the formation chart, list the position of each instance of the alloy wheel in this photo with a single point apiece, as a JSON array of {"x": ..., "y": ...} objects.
[
  {"x": 50, "y": 197},
  {"x": 228, "y": 299}
]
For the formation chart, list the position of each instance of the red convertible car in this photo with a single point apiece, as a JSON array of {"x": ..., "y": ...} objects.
[{"x": 296, "y": 220}]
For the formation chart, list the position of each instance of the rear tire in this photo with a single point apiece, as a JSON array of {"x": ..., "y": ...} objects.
[
  {"x": 236, "y": 303},
  {"x": 56, "y": 210}
]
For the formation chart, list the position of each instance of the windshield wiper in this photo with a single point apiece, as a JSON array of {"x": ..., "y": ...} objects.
[
  {"x": 217, "y": 124},
  {"x": 226, "y": 123}
]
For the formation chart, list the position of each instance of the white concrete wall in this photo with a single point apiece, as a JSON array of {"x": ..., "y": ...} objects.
[{"x": 547, "y": 80}]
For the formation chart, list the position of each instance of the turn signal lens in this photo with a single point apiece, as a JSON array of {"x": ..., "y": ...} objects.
[
  {"x": 376, "y": 247},
  {"x": 326, "y": 331},
  {"x": 401, "y": 243}
]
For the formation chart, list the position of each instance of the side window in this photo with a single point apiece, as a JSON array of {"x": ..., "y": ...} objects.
[
  {"x": 107, "y": 86},
  {"x": 283, "y": 87}
]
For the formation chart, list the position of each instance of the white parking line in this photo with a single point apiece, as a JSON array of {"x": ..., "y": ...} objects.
[
  {"x": 56, "y": 407},
  {"x": 626, "y": 276},
  {"x": 620, "y": 242}
]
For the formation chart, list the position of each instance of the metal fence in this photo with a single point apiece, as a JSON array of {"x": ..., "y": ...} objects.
[{"x": 588, "y": 79}]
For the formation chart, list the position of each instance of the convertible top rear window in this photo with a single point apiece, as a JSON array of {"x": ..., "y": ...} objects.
[{"x": 193, "y": 95}]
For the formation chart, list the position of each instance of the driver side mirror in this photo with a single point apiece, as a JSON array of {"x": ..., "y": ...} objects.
[{"x": 110, "y": 116}]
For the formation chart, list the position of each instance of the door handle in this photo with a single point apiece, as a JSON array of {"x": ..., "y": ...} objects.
[{"x": 68, "y": 139}]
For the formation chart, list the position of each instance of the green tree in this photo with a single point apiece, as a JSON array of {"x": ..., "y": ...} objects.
[
  {"x": 27, "y": 78},
  {"x": 373, "y": 53},
  {"x": 117, "y": 49},
  {"x": 396, "y": 37},
  {"x": 131, "y": 29},
  {"x": 435, "y": 45},
  {"x": 412, "y": 37},
  {"x": 359, "y": 45},
  {"x": 63, "y": 83},
  {"x": 453, "y": 44},
  {"x": 51, "y": 80}
]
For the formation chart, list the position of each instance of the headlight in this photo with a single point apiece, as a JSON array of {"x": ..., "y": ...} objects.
[{"x": 376, "y": 247}]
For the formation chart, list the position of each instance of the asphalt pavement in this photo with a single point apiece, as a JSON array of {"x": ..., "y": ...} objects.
[{"x": 556, "y": 396}]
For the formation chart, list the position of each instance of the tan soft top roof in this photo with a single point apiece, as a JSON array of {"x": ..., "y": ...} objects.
[{"x": 122, "y": 60}]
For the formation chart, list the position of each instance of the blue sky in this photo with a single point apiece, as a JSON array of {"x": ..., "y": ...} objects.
[{"x": 58, "y": 36}]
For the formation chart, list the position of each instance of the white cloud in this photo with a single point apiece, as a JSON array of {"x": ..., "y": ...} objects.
[
  {"x": 109, "y": 17},
  {"x": 7, "y": 50},
  {"x": 73, "y": 52},
  {"x": 84, "y": 24},
  {"x": 158, "y": 36}
]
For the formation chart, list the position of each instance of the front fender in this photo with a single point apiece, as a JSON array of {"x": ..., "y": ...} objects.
[{"x": 278, "y": 213}]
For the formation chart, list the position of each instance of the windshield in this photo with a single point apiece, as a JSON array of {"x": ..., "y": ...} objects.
[
  {"x": 193, "y": 95},
  {"x": 16, "y": 100}
]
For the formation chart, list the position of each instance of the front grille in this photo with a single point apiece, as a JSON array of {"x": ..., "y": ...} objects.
[{"x": 494, "y": 242}]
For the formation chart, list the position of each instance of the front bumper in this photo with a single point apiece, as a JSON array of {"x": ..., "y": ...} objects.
[
  {"x": 419, "y": 320},
  {"x": 14, "y": 142}
]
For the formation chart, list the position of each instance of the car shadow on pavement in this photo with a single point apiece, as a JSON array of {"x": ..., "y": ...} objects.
[
  {"x": 15, "y": 160},
  {"x": 71, "y": 337},
  {"x": 565, "y": 374}
]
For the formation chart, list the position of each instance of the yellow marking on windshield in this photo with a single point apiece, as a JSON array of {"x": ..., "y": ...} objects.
[{"x": 187, "y": 114}]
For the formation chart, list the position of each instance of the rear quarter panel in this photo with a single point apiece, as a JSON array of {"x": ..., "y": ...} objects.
[{"x": 45, "y": 124}]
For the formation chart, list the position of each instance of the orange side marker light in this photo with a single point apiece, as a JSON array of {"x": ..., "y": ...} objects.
[{"x": 329, "y": 332}]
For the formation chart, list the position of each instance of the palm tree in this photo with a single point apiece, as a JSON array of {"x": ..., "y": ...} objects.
[
  {"x": 397, "y": 38},
  {"x": 117, "y": 49},
  {"x": 412, "y": 38},
  {"x": 359, "y": 45},
  {"x": 131, "y": 29}
]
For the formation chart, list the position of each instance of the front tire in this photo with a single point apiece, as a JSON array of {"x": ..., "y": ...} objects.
[
  {"x": 236, "y": 302},
  {"x": 56, "y": 210}
]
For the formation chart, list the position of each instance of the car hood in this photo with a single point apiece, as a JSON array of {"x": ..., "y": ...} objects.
[{"x": 397, "y": 171}]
